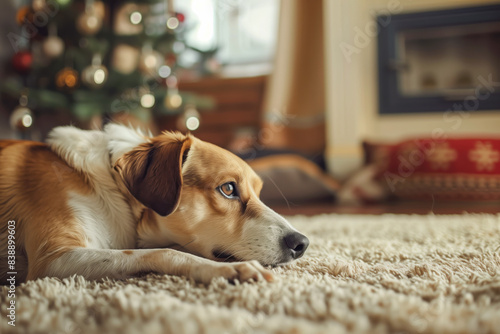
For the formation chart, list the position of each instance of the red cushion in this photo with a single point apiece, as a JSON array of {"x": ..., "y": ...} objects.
[{"x": 467, "y": 168}]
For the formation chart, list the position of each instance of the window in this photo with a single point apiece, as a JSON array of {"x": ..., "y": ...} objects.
[{"x": 243, "y": 31}]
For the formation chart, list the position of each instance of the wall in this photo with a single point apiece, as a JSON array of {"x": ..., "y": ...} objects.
[{"x": 352, "y": 112}]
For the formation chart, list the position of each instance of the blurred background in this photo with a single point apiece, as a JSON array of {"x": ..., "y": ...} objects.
[{"x": 340, "y": 106}]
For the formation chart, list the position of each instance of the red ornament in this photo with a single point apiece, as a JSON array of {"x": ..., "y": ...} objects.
[
  {"x": 22, "y": 61},
  {"x": 181, "y": 17}
]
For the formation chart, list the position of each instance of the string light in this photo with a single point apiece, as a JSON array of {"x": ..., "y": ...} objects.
[
  {"x": 27, "y": 121},
  {"x": 174, "y": 101},
  {"x": 172, "y": 23},
  {"x": 150, "y": 61},
  {"x": 147, "y": 100},
  {"x": 191, "y": 118},
  {"x": 192, "y": 123},
  {"x": 99, "y": 76},
  {"x": 96, "y": 74},
  {"x": 136, "y": 17},
  {"x": 164, "y": 71}
]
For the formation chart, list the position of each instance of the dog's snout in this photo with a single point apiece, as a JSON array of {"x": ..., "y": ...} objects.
[{"x": 296, "y": 243}]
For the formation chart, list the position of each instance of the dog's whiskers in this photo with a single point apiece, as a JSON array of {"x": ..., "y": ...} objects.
[
  {"x": 236, "y": 255},
  {"x": 282, "y": 195},
  {"x": 190, "y": 242},
  {"x": 226, "y": 250}
]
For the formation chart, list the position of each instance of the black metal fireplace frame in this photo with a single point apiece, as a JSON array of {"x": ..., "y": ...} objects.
[{"x": 391, "y": 101}]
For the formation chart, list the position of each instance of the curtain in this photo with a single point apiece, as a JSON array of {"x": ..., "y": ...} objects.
[{"x": 294, "y": 103}]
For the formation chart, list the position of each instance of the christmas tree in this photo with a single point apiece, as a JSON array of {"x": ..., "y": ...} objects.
[{"x": 94, "y": 58}]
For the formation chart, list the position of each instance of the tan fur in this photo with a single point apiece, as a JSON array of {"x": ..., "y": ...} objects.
[
  {"x": 76, "y": 211},
  {"x": 153, "y": 171},
  {"x": 33, "y": 184},
  {"x": 213, "y": 167}
]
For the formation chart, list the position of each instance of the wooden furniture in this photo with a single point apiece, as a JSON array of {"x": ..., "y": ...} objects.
[{"x": 238, "y": 107}]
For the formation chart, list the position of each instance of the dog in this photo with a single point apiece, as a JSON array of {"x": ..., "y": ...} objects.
[{"x": 117, "y": 202}]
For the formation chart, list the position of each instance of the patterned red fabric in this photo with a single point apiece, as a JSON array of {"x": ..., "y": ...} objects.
[{"x": 447, "y": 168}]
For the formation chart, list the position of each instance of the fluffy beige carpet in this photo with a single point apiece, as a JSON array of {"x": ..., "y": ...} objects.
[{"x": 361, "y": 274}]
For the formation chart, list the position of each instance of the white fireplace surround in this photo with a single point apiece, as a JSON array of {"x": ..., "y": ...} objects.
[{"x": 352, "y": 100}]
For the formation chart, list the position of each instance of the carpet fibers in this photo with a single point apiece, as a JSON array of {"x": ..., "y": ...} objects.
[{"x": 361, "y": 274}]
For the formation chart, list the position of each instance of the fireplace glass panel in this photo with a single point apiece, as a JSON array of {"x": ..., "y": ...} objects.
[{"x": 447, "y": 61}]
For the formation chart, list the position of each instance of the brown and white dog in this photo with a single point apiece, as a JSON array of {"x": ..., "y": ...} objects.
[{"x": 109, "y": 203}]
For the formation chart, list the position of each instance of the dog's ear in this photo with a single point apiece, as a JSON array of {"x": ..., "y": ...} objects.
[{"x": 152, "y": 172}]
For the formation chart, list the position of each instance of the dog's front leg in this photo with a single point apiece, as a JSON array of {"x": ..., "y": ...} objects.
[{"x": 100, "y": 263}]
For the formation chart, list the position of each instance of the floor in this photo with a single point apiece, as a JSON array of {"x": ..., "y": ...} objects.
[{"x": 401, "y": 207}]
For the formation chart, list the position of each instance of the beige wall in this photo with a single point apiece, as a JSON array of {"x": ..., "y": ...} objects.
[{"x": 352, "y": 112}]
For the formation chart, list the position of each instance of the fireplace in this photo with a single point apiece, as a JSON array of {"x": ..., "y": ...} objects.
[{"x": 440, "y": 60}]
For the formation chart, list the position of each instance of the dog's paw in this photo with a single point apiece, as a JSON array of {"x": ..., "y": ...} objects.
[{"x": 241, "y": 271}]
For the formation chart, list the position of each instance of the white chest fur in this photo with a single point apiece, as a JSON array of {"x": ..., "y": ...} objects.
[
  {"x": 104, "y": 214},
  {"x": 106, "y": 219}
]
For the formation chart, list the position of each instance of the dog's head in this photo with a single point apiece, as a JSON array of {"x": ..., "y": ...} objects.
[{"x": 208, "y": 201}]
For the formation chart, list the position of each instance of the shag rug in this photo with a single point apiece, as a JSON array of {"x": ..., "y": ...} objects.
[{"x": 361, "y": 274}]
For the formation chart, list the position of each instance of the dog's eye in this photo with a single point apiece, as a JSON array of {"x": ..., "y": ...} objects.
[{"x": 229, "y": 190}]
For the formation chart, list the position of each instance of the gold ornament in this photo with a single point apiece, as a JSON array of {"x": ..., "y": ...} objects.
[
  {"x": 67, "y": 78},
  {"x": 53, "y": 46},
  {"x": 125, "y": 58}
]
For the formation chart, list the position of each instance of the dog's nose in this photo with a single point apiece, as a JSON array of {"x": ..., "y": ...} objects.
[{"x": 297, "y": 244}]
